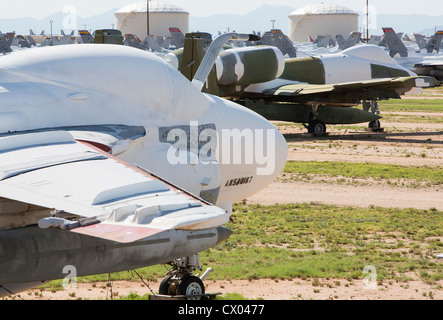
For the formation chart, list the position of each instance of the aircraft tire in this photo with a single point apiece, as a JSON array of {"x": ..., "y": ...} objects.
[
  {"x": 165, "y": 286},
  {"x": 189, "y": 286},
  {"x": 376, "y": 124},
  {"x": 317, "y": 127}
]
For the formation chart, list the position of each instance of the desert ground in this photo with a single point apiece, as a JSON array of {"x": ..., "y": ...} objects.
[{"x": 418, "y": 143}]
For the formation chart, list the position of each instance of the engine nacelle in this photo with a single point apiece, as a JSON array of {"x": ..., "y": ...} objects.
[{"x": 250, "y": 65}]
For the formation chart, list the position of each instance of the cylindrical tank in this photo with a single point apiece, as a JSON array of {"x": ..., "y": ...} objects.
[
  {"x": 321, "y": 19},
  {"x": 132, "y": 19}
]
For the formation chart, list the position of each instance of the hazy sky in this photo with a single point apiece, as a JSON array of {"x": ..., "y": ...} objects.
[{"x": 85, "y": 8}]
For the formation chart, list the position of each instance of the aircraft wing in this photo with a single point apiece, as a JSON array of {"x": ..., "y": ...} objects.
[
  {"x": 78, "y": 186},
  {"x": 342, "y": 92},
  {"x": 431, "y": 63}
]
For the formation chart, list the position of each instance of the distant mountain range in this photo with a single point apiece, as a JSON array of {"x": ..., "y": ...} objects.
[
  {"x": 22, "y": 25},
  {"x": 257, "y": 20}
]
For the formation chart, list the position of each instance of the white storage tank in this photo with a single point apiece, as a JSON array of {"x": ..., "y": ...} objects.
[
  {"x": 322, "y": 19},
  {"x": 132, "y": 19}
]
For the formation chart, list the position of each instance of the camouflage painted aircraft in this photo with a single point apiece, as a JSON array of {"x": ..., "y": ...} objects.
[
  {"x": 315, "y": 91},
  {"x": 104, "y": 36}
]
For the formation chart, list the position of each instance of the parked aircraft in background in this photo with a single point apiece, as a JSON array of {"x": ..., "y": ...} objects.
[
  {"x": 67, "y": 38},
  {"x": 315, "y": 91},
  {"x": 178, "y": 38},
  {"x": 325, "y": 41},
  {"x": 277, "y": 38},
  {"x": 102, "y": 36},
  {"x": 112, "y": 161},
  {"x": 352, "y": 40},
  {"x": 6, "y": 42},
  {"x": 424, "y": 64}
]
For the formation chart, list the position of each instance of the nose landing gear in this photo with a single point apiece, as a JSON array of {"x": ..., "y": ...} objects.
[{"x": 180, "y": 281}]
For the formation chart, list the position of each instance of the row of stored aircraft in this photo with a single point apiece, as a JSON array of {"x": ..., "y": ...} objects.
[{"x": 114, "y": 158}]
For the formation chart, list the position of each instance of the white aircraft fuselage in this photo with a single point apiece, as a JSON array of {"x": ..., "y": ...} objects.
[
  {"x": 357, "y": 64},
  {"x": 88, "y": 85},
  {"x": 207, "y": 146}
]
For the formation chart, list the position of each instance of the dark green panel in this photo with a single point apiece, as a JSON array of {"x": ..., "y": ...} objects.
[
  {"x": 108, "y": 36},
  {"x": 381, "y": 72},
  {"x": 310, "y": 70}
]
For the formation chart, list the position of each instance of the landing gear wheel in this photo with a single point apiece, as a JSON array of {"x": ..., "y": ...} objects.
[
  {"x": 191, "y": 286},
  {"x": 165, "y": 287},
  {"x": 317, "y": 127},
  {"x": 376, "y": 124}
]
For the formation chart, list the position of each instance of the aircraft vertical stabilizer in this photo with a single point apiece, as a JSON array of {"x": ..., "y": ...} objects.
[
  {"x": 394, "y": 43},
  {"x": 178, "y": 38},
  {"x": 435, "y": 42},
  {"x": 420, "y": 39},
  {"x": 277, "y": 38}
]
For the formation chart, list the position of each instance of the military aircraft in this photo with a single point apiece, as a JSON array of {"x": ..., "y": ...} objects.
[
  {"x": 325, "y": 41},
  {"x": 277, "y": 38},
  {"x": 6, "y": 42},
  {"x": 67, "y": 38},
  {"x": 102, "y": 36},
  {"x": 423, "y": 64},
  {"x": 178, "y": 38},
  {"x": 164, "y": 46},
  {"x": 111, "y": 160},
  {"x": 351, "y": 41},
  {"x": 315, "y": 91}
]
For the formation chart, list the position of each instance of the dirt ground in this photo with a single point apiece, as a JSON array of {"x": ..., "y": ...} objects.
[{"x": 416, "y": 144}]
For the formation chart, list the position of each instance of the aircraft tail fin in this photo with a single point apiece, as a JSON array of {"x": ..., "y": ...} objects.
[
  {"x": 353, "y": 39},
  {"x": 86, "y": 36},
  {"x": 435, "y": 42},
  {"x": 152, "y": 44},
  {"x": 325, "y": 41},
  {"x": 420, "y": 39},
  {"x": 178, "y": 38},
  {"x": 31, "y": 41},
  {"x": 194, "y": 50},
  {"x": 108, "y": 36},
  {"x": 6, "y": 42},
  {"x": 341, "y": 41},
  {"x": 133, "y": 41},
  {"x": 276, "y": 38},
  {"x": 394, "y": 43}
]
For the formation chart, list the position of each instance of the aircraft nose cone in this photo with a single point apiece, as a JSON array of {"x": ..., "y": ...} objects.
[
  {"x": 223, "y": 234},
  {"x": 253, "y": 152}
]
